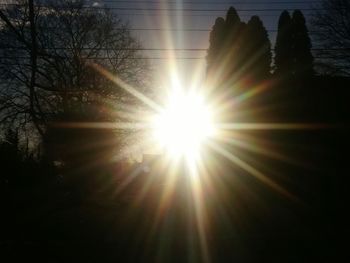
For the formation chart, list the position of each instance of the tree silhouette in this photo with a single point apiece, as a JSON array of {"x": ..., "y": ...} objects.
[
  {"x": 283, "y": 47},
  {"x": 66, "y": 90},
  {"x": 302, "y": 64},
  {"x": 225, "y": 57},
  {"x": 331, "y": 29},
  {"x": 258, "y": 49},
  {"x": 216, "y": 39},
  {"x": 233, "y": 44},
  {"x": 293, "y": 56},
  {"x": 59, "y": 78}
]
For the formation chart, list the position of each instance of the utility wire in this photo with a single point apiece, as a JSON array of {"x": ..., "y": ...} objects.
[
  {"x": 306, "y": 12},
  {"x": 168, "y": 9},
  {"x": 153, "y": 49},
  {"x": 131, "y": 58},
  {"x": 196, "y": 10},
  {"x": 194, "y": 15},
  {"x": 189, "y": 29},
  {"x": 192, "y": 30},
  {"x": 211, "y": 3}
]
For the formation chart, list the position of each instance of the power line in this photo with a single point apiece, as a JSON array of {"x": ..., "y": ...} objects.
[
  {"x": 169, "y": 9},
  {"x": 183, "y": 29},
  {"x": 212, "y": 3},
  {"x": 193, "y": 15},
  {"x": 195, "y": 9},
  {"x": 190, "y": 29},
  {"x": 155, "y": 49},
  {"x": 201, "y": 15},
  {"x": 305, "y": 11},
  {"x": 110, "y": 49},
  {"x": 134, "y": 58},
  {"x": 171, "y": 29}
]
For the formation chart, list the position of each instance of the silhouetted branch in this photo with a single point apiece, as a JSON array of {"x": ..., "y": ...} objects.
[{"x": 332, "y": 31}]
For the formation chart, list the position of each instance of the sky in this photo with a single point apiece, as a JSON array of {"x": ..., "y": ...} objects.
[{"x": 146, "y": 15}]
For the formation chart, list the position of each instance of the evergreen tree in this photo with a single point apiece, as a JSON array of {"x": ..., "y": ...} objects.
[
  {"x": 216, "y": 40},
  {"x": 302, "y": 58},
  {"x": 258, "y": 62},
  {"x": 237, "y": 50},
  {"x": 232, "y": 16},
  {"x": 283, "y": 47},
  {"x": 293, "y": 46},
  {"x": 234, "y": 58},
  {"x": 223, "y": 58}
]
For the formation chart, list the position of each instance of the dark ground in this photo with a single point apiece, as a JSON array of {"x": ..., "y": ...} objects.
[{"x": 43, "y": 219}]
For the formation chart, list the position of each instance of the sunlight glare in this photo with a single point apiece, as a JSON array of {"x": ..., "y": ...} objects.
[{"x": 183, "y": 125}]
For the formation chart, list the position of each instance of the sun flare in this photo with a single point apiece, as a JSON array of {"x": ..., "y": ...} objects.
[{"x": 183, "y": 125}]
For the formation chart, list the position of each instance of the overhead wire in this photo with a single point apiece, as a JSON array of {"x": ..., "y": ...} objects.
[
  {"x": 150, "y": 49},
  {"x": 185, "y": 10},
  {"x": 165, "y": 9},
  {"x": 150, "y": 11},
  {"x": 171, "y": 9},
  {"x": 210, "y": 2}
]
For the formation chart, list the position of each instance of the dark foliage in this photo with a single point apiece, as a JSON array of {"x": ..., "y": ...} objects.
[
  {"x": 293, "y": 56},
  {"x": 302, "y": 64},
  {"x": 258, "y": 48},
  {"x": 216, "y": 38},
  {"x": 232, "y": 45},
  {"x": 238, "y": 51},
  {"x": 283, "y": 47},
  {"x": 225, "y": 41}
]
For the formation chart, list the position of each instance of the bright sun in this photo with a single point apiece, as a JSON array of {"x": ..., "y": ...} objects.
[{"x": 183, "y": 125}]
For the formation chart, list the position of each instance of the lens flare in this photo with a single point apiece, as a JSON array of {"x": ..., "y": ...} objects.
[{"x": 183, "y": 125}]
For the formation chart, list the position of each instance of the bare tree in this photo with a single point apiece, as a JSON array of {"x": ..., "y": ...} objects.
[
  {"x": 46, "y": 52},
  {"x": 13, "y": 26},
  {"x": 331, "y": 26}
]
